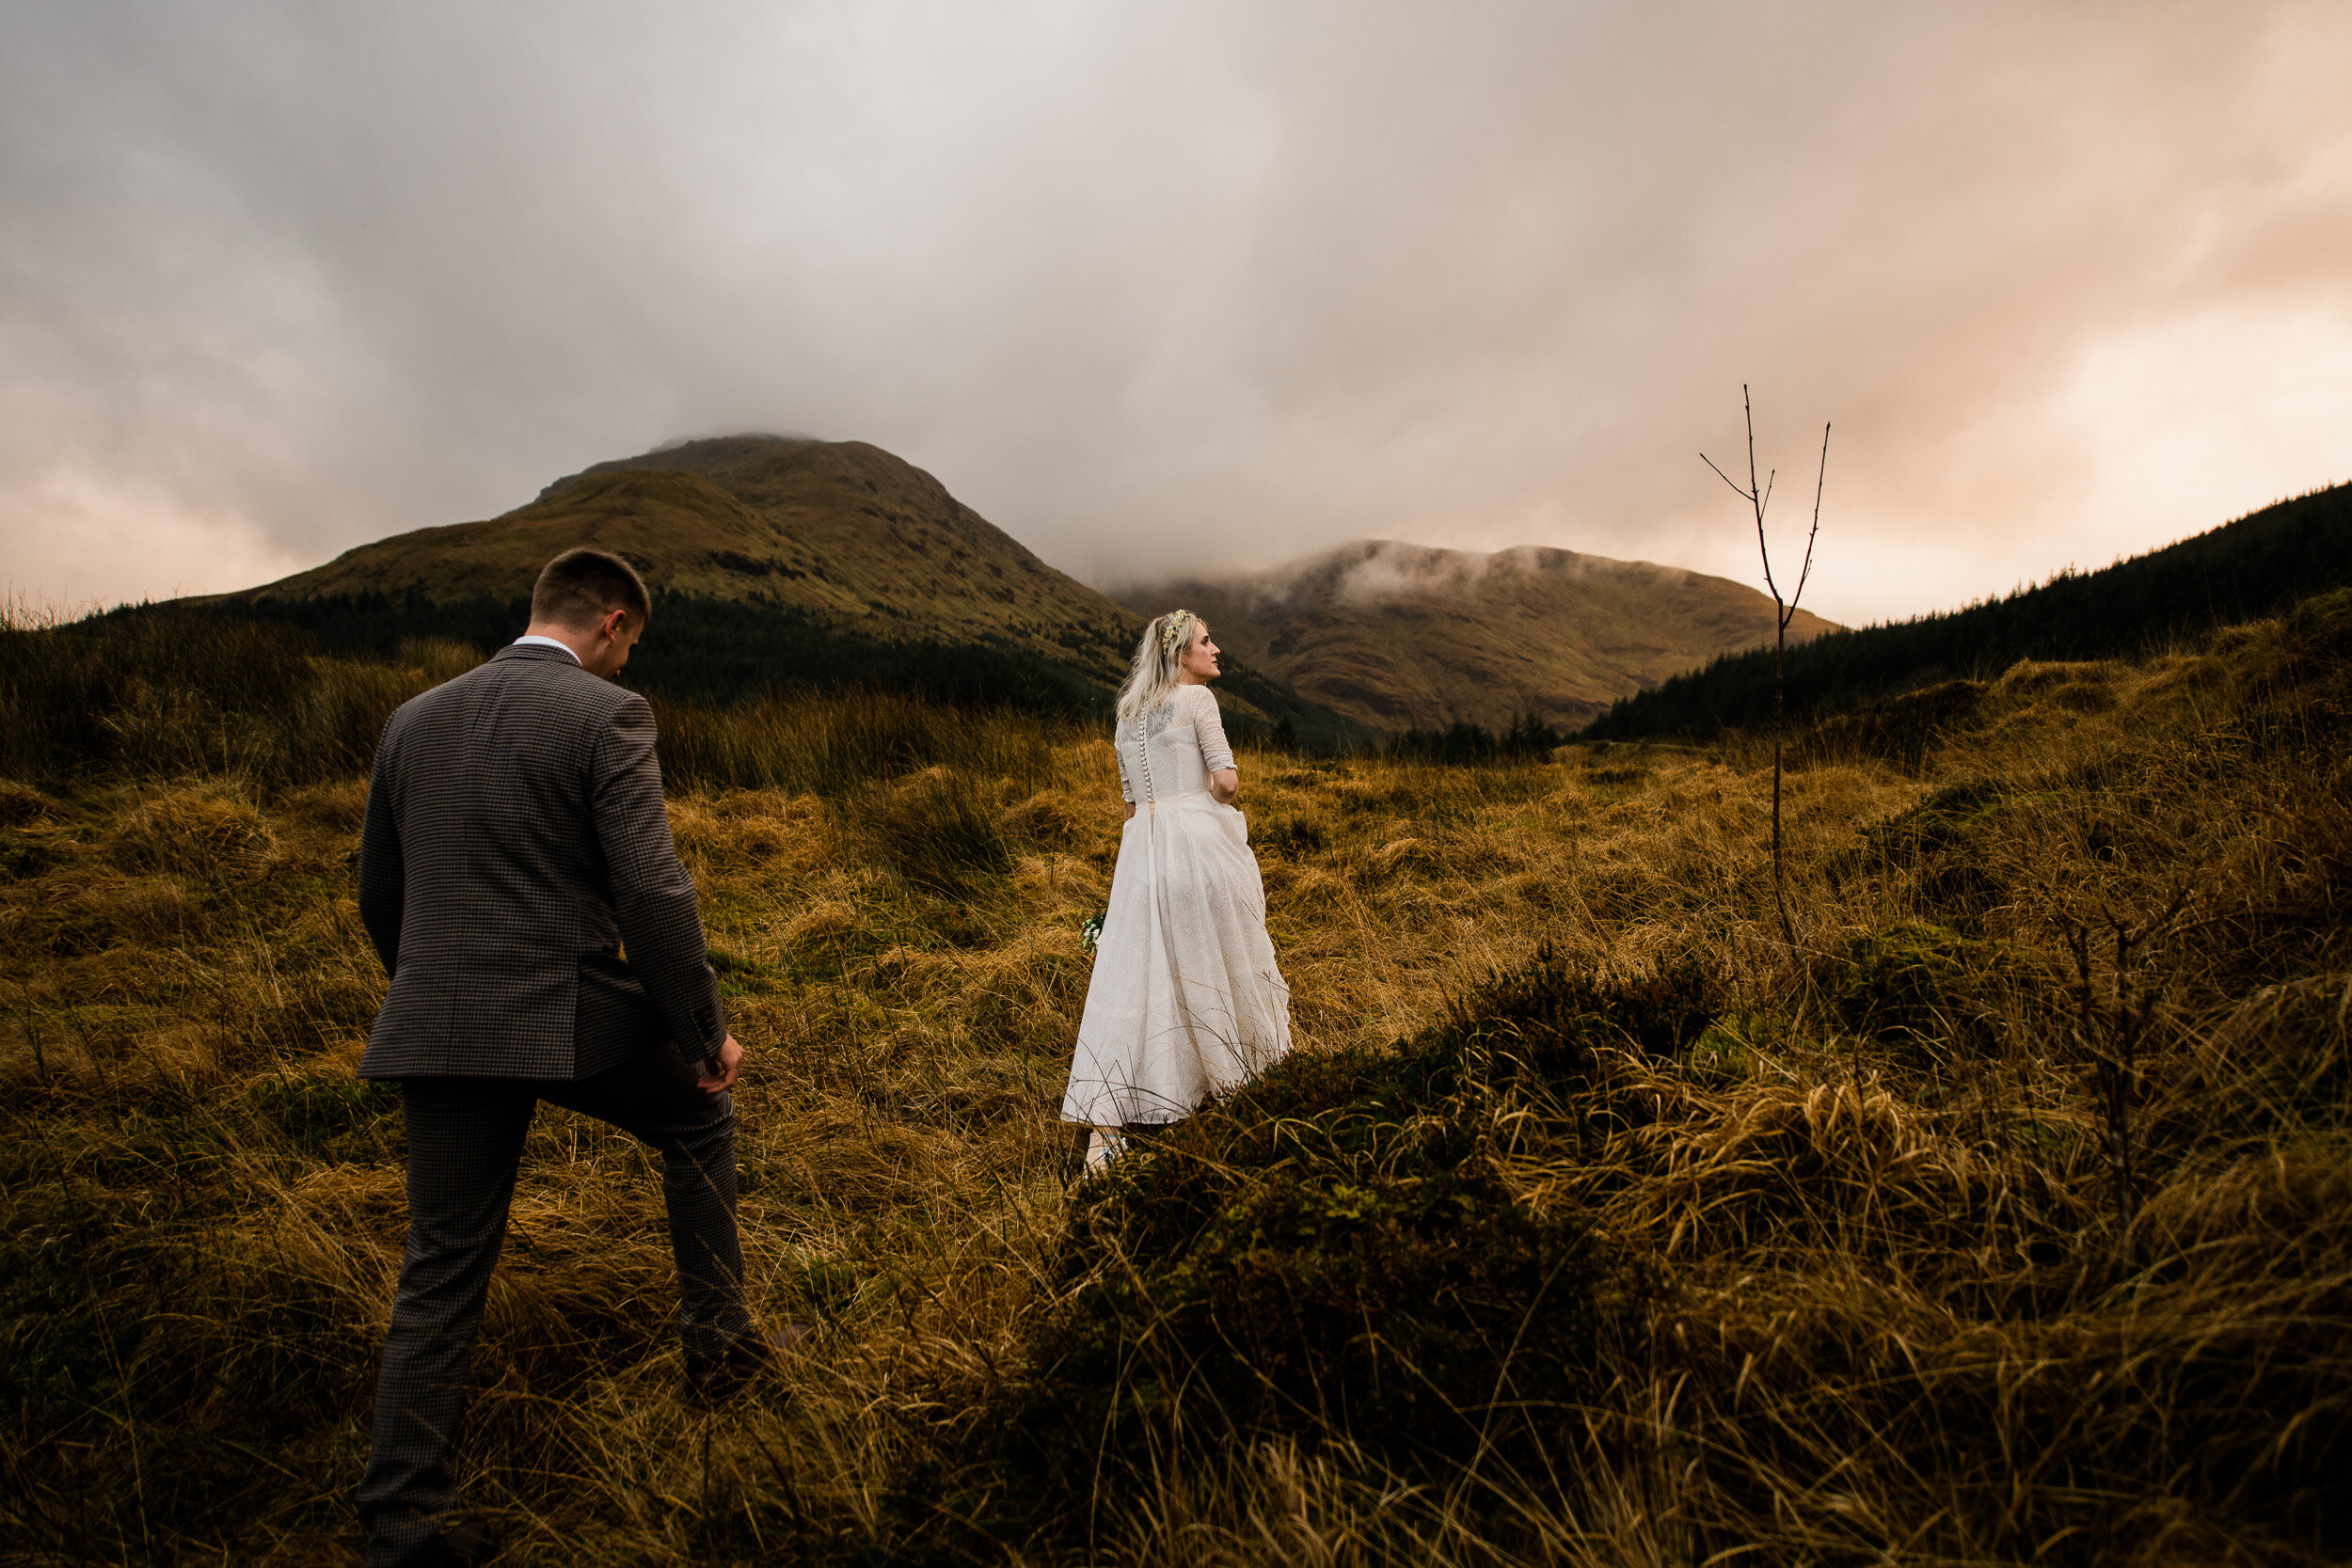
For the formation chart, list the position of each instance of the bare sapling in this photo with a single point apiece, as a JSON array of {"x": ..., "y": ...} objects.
[
  {"x": 2113, "y": 1032},
  {"x": 1760, "y": 497}
]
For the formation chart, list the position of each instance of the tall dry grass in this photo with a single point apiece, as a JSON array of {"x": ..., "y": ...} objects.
[{"x": 1892, "y": 1312}]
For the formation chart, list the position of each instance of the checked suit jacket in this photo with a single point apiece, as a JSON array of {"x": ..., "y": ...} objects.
[{"x": 516, "y": 847}]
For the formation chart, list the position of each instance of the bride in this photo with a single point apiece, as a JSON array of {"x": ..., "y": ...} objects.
[{"x": 1185, "y": 999}]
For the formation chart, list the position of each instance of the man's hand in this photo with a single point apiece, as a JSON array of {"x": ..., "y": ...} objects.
[{"x": 719, "y": 1071}]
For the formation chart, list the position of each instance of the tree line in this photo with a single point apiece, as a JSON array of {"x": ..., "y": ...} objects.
[
  {"x": 2241, "y": 571},
  {"x": 250, "y": 655},
  {"x": 1526, "y": 738}
]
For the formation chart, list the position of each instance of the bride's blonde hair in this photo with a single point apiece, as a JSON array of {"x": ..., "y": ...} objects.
[{"x": 1158, "y": 658}]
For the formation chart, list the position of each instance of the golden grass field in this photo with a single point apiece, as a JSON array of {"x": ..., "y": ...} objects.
[{"x": 1899, "y": 1304}]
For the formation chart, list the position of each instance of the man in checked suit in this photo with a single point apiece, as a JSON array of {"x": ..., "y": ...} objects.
[{"x": 515, "y": 842}]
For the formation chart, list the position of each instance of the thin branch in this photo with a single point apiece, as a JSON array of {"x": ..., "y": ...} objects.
[
  {"x": 1765, "y": 551},
  {"x": 1818, "y": 480},
  {"x": 1726, "y": 479},
  {"x": 1747, "y": 405}
]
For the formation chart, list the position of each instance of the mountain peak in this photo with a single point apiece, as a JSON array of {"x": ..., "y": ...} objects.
[
  {"x": 704, "y": 455},
  {"x": 1373, "y": 572}
]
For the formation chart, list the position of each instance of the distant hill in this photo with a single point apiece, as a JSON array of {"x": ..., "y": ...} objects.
[
  {"x": 2241, "y": 571},
  {"x": 1402, "y": 636},
  {"x": 840, "y": 531},
  {"x": 775, "y": 560}
]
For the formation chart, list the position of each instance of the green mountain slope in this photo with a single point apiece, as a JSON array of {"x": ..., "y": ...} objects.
[
  {"x": 2240, "y": 571},
  {"x": 842, "y": 532},
  {"x": 775, "y": 561},
  {"x": 1401, "y": 635}
]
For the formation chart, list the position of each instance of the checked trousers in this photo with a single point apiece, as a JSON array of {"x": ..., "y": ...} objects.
[{"x": 465, "y": 1141}]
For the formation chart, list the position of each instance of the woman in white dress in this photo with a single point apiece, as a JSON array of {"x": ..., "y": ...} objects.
[{"x": 1185, "y": 999}]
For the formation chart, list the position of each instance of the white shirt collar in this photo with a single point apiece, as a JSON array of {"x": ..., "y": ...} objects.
[{"x": 528, "y": 641}]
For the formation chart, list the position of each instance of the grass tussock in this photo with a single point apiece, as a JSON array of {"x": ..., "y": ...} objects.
[{"x": 1589, "y": 1224}]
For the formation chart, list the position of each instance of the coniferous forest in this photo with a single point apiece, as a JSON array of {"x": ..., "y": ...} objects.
[{"x": 2242, "y": 570}]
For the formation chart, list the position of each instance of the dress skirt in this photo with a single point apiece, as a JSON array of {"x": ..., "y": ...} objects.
[{"x": 1186, "y": 1000}]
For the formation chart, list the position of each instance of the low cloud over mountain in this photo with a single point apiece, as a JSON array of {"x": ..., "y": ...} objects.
[{"x": 1401, "y": 635}]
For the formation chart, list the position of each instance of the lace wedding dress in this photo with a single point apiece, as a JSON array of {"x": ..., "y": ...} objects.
[{"x": 1185, "y": 999}]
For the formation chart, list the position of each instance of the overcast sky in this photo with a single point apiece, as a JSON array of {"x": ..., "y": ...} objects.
[{"x": 1190, "y": 285}]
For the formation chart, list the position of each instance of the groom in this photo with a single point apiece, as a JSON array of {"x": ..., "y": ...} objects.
[{"x": 515, "y": 842}]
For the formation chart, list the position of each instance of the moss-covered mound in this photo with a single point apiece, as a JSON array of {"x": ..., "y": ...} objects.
[{"x": 1336, "y": 1250}]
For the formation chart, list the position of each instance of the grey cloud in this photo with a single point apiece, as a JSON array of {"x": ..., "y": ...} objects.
[{"x": 1165, "y": 288}]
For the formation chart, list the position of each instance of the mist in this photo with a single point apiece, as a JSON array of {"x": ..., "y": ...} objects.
[{"x": 1196, "y": 289}]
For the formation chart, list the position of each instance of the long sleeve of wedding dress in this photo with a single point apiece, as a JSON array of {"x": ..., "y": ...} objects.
[{"x": 1217, "y": 752}]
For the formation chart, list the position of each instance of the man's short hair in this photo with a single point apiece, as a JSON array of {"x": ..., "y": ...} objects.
[{"x": 582, "y": 586}]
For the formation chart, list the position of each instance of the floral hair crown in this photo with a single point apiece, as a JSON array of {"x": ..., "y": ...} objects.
[{"x": 1176, "y": 622}]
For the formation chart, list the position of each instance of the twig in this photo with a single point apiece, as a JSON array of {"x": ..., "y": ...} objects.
[{"x": 32, "y": 1031}]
